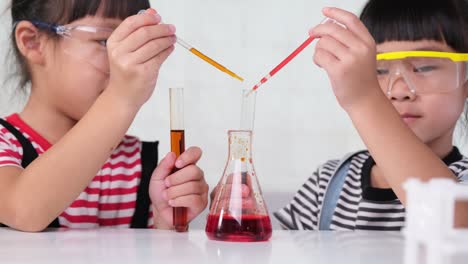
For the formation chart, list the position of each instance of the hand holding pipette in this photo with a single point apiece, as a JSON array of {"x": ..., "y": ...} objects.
[
  {"x": 289, "y": 58},
  {"x": 198, "y": 53},
  {"x": 349, "y": 58}
]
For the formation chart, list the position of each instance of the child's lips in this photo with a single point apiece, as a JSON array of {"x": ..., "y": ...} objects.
[{"x": 407, "y": 117}]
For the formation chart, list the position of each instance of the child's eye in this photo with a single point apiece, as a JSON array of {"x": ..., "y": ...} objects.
[
  {"x": 102, "y": 42},
  {"x": 382, "y": 72},
  {"x": 425, "y": 69}
]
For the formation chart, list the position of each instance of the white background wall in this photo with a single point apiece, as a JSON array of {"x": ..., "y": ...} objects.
[{"x": 298, "y": 123}]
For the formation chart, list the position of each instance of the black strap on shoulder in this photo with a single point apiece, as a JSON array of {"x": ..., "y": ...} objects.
[
  {"x": 149, "y": 161},
  {"x": 29, "y": 153}
]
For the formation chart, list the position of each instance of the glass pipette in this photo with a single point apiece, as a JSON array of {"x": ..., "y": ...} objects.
[
  {"x": 197, "y": 53},
  {"x": 282, "y": 64},
  {"x": 207, "y": 59},
  {"x": 289, "y": 58}
]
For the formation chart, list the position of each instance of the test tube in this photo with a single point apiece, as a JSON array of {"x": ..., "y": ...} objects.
[
  {"x": 176, "y": 95},
  {"x": 248, "y": 110}
]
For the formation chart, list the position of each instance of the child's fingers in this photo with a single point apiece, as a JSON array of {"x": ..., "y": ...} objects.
[
  {"x": 229, "y": 190},
  {"x": 165, "y": 167},
  {"x": 151, "y": 50},
  {"x": 187, "y": 174},
  {"x": 190, "y": 156},
  {"x": 157, "y": 61},
  {"x": 151, "y": 11},
  {"x": 351, "y": 21},
  {"x": 237, "y": 203},
  {"x": 239, "y": 177},
  {"x": 145, "y": 35},
  {"x": 244, "y": 190},
  {"x": 214, "y": 192},
  {"x": 331, "y": 45},
  {"x": 132, "y": 24},
  {"x": 195, "y": 202},
  {"x": 344, "y": 36},
  {"x": 325, "y": 59},
  {"x": 188, "y": 188},
  {"x": 162, "y": 57}
]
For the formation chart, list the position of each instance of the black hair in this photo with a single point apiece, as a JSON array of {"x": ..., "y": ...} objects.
[
  {"x": 412, "y": 20},
  {"x": 64, "y": 12},
  {"x": 445, "y": 21}
]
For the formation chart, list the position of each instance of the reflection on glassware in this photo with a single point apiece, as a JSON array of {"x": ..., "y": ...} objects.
[
  {"x": 226, "y": 253},
  {"x": 239, "y": 212},
  {"x": 248, "y": 110}
]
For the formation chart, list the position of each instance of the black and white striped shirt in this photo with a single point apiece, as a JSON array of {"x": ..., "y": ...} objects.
[{"x": 359, "y": 206}]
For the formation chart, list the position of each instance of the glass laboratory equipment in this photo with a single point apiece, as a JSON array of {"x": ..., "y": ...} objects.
[
  {"x": 179, "y": 217},
  {"x": 238, "y": 212}
]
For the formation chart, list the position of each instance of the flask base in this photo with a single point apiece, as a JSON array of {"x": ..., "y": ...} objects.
[{"x": 250, "y": 228}]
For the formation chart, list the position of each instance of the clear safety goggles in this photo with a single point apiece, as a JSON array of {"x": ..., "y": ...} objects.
[
  {"x": 424, "y": 72},
  {"x": 85, "y": 43}
]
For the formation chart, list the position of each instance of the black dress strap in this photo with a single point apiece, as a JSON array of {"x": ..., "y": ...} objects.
[
  {"x": 149, "y": 161},
  {"x": 29, "y": 154}
]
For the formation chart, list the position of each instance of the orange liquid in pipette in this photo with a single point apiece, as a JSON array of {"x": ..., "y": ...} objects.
[
  {"x": 206, "y": 58},
  {"x": 215, "y": 64}
]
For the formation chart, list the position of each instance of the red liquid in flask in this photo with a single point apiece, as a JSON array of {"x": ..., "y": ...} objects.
[{"x": 250, "y": 228}]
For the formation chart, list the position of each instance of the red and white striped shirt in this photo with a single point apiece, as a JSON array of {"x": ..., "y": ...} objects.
[{"x": 109, "y": 199}]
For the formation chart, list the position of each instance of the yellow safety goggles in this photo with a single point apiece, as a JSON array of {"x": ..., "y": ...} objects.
[{"x": 422, "y": 71}]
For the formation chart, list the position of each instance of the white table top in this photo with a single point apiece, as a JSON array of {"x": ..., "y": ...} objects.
[{"x": 156, "y": 246}]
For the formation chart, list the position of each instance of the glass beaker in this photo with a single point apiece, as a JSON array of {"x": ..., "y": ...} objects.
[{"x": 238, "y": 211}]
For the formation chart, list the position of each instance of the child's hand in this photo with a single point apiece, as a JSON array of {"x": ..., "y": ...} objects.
[
  {"x": 137, "y": 49},
  {"x": 185, "y": 188},
  {"x": 348, "y": 56},
  {"x": 244, "y": 199}
]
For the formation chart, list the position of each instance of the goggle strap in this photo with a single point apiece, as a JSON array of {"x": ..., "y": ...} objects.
[
  {"x": 45, "y": 25},
  {"x": 456, "y": 57}
]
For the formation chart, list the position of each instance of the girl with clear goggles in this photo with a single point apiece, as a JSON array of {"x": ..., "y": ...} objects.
[{"x": 424, "y": 72}]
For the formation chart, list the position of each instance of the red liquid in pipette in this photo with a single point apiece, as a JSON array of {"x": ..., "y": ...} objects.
[{"x": 285, "y": 62}]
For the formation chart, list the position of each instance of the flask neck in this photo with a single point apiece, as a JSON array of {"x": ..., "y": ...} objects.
[{"x": 240, "y": 145}]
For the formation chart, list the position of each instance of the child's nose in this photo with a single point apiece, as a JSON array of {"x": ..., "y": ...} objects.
[{"x": 400, "y": 88}]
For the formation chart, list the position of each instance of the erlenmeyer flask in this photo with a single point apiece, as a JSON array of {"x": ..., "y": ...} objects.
[{"x": 238, "y": 211}]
